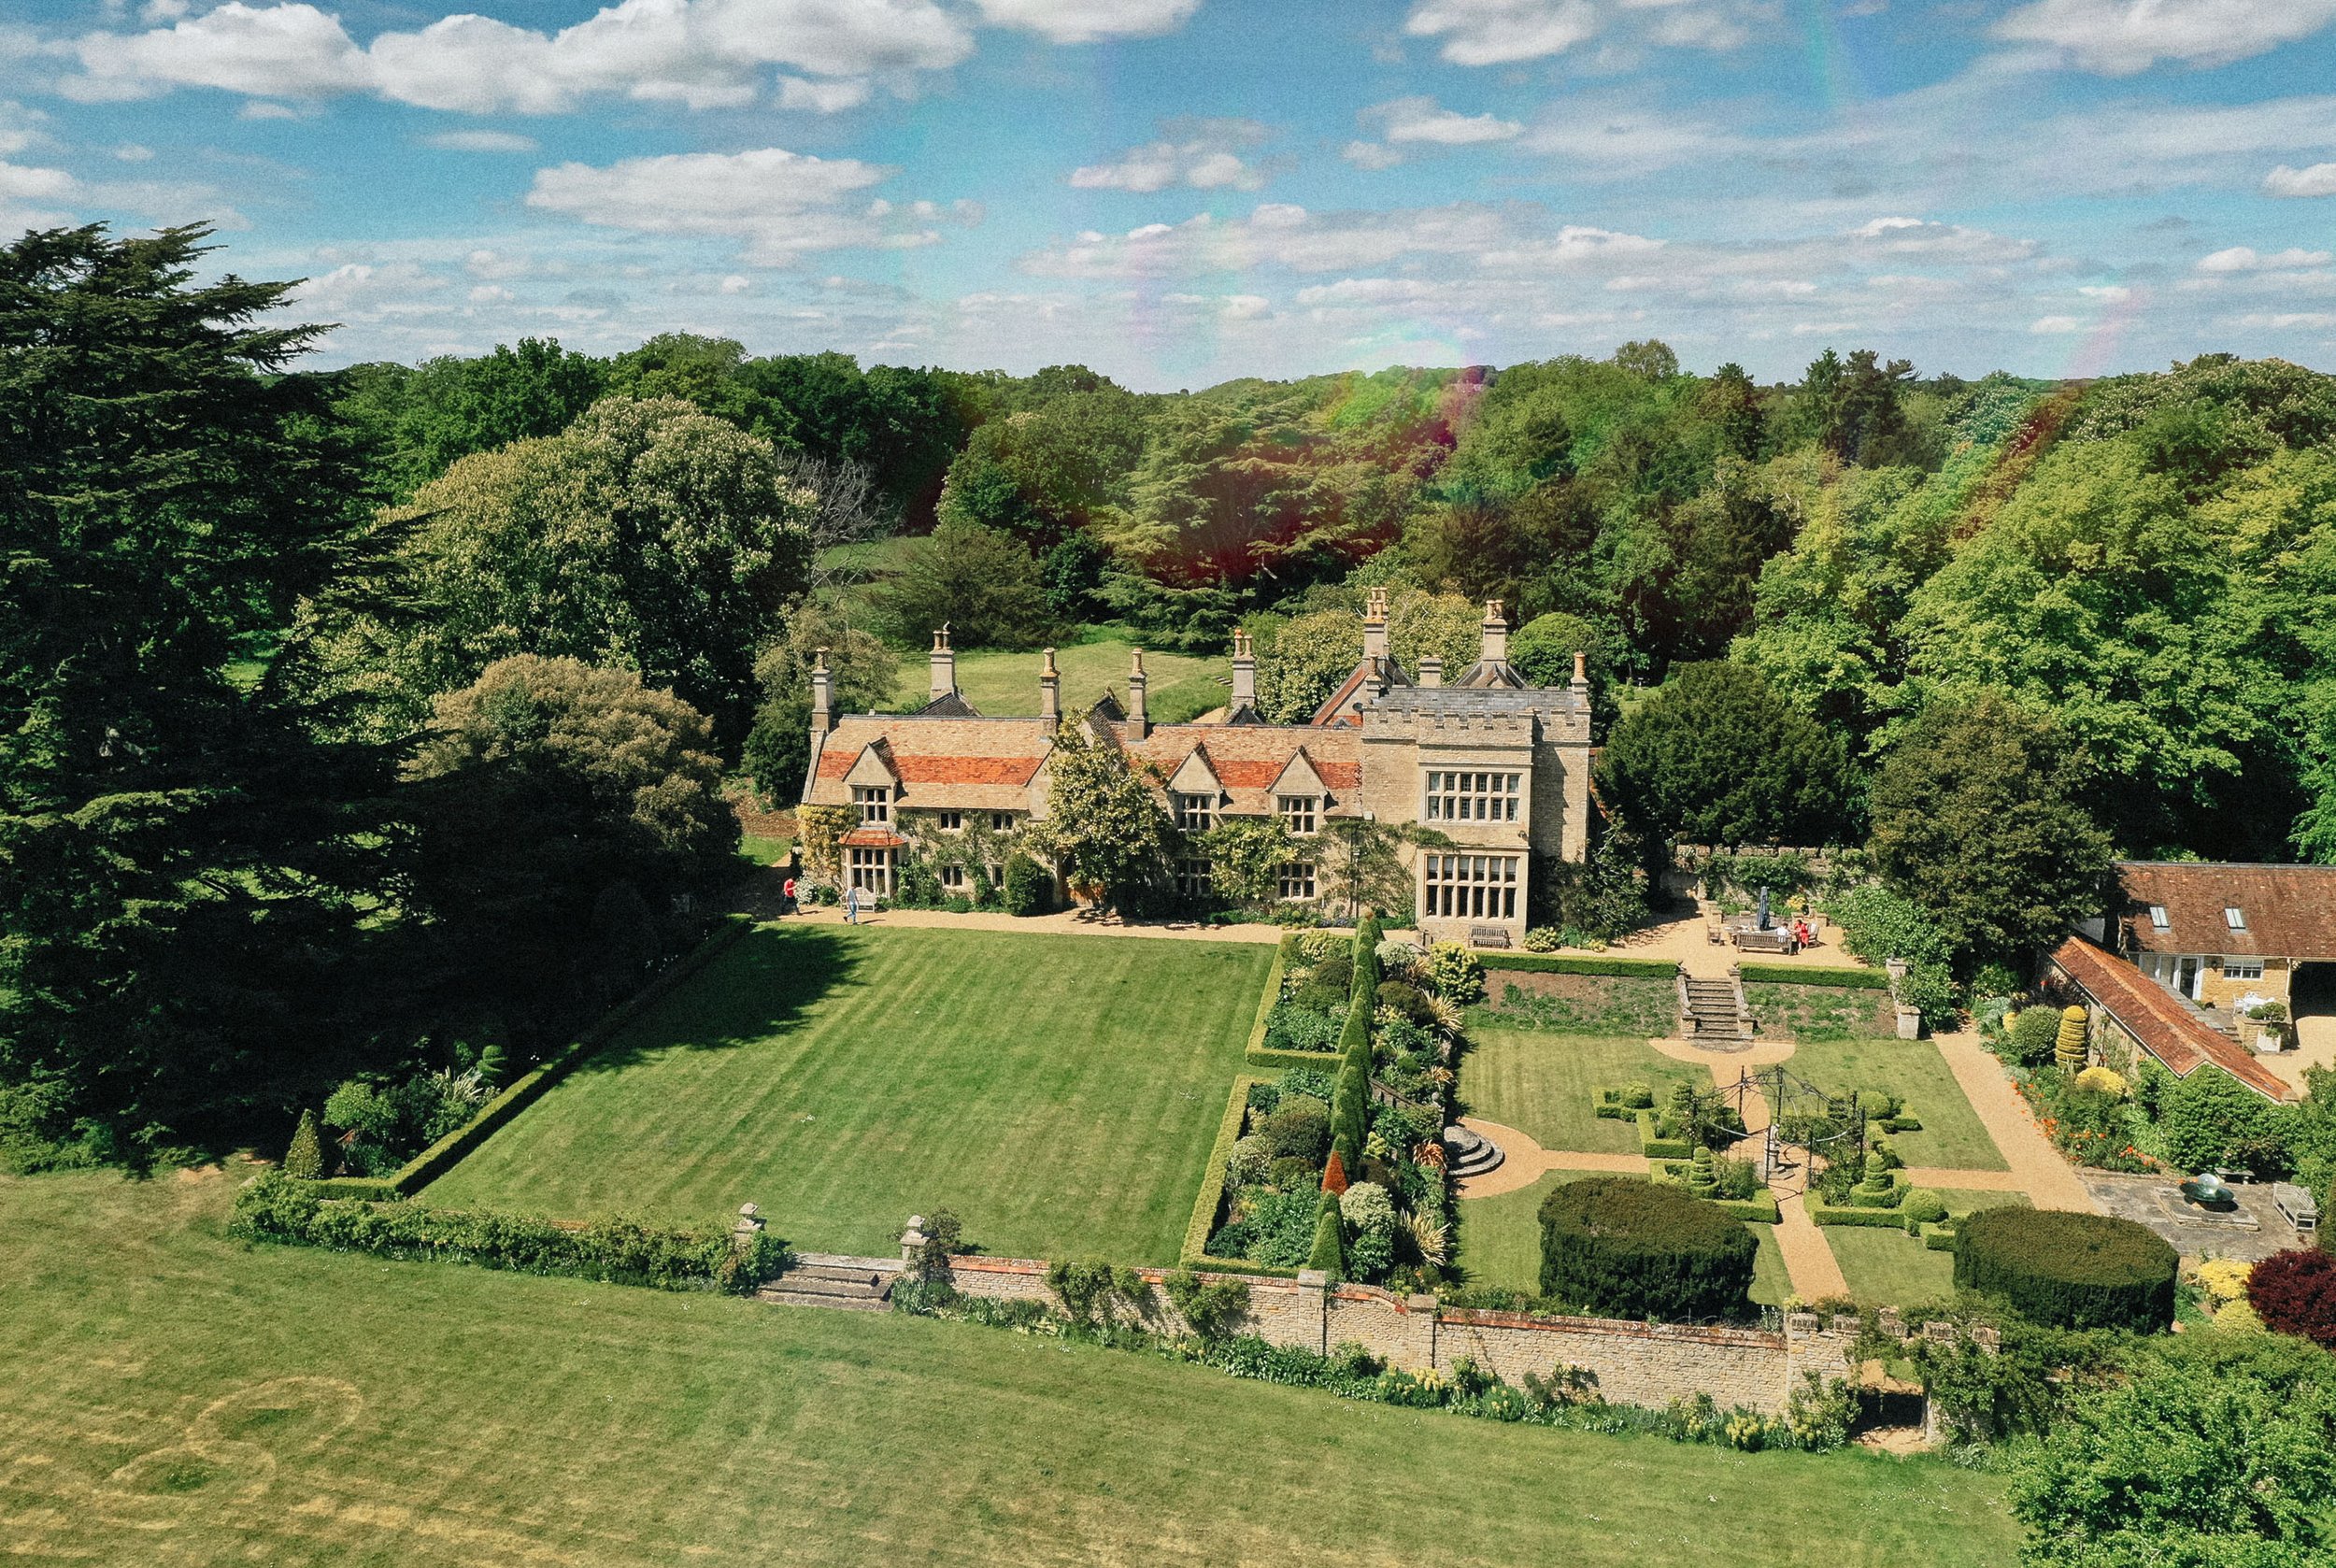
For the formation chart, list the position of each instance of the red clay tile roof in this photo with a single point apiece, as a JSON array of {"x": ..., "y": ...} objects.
[
  {"x": 2289, "y": 910},
  {"x": 2166, "y": 1026}
]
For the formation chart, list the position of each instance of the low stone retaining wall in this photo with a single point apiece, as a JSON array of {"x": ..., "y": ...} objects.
[{"x": 1634, "y": 1363}]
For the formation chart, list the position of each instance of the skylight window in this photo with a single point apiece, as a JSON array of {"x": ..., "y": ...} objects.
[
  {"x": 2233, "y": 918},
  {"x": 2157, "y": 918}
]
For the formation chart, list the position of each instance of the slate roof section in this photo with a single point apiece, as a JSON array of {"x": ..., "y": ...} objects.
[
  {"x": 2168, "y": 1028},
  {"x": 2289, "y": 910}
]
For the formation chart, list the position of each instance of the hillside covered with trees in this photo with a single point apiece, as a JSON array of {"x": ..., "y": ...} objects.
[{"x": 371, "y": 716}]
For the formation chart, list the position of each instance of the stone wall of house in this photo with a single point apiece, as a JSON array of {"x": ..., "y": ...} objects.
[{"x": 1632, "y": 1364}]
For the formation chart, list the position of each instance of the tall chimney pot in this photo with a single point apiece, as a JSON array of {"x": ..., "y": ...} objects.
[
  {"x": 1375, "y": 623},
  {"x": 1244, "y": 672},
  {"x": 1496, "y": 629},
  {"x": 1049, "y": 696},
  {"x": 1139, "y": 721},
  {"x": 943, "y": 663},
  {"x": 822, "y": 695},
  {"x": 1430, "y": 670}
]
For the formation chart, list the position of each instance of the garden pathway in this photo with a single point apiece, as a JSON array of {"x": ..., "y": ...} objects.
[
  {"x": 1523, "y": 1161},
  {"x": 2037, "y": 1168},
  {"x": 1083, "y": 922}
]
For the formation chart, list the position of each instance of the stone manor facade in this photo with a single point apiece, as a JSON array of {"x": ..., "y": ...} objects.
[{"x": 1496, "y": 773}]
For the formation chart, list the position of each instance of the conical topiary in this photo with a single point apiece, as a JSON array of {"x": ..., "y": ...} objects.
[
  {"x": 1703, "y": 1177},
  {"x": 1330, "y": 1242},
  {"x": 2068, "y": 1048},
  {"x": 305, "y": 1160},
  {"x": 1335, "y": 1175}
]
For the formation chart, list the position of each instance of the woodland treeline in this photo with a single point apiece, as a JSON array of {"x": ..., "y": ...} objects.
[{"x": 380, "y": 718}]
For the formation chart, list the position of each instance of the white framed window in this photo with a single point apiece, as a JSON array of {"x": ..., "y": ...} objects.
[
  {"x": 2242, "y": 968},
  {"x": 953, "y": 877},
  {"x": 2159, "y": 920},
  {"x": 1470, "y": 887},
  {"x": 1298, "y": 813},
  {"x": 2233, "y": 917},
  {"x": 1194, "y": 879},
  {"x": 1475, "y": 795},
  {"x": 871, "y": 871},
  {"x": 1196, "y": 813},
  {"x": 1002, "y": 821},
  {"x": 875, "y": 802},
  {"x": 952, "y": 822},
  {"x": 1297, "y": 879}
]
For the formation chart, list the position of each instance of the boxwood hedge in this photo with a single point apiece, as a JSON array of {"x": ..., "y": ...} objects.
[
  {"x": 1618, "y": 1246},
  {"x": 2075, "y": 1271}
]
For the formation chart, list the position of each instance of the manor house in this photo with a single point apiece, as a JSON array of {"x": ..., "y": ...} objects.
[{"x": 1496, "y": 773}]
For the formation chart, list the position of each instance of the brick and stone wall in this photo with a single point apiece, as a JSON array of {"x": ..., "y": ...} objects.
[{"x": 1633, "y": 1364}]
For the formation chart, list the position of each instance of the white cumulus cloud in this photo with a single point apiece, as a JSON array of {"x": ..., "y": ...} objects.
[
  {"x": 1201, "y": 155},
  {"x": 2242, "y": 258},
  {"x": 1421, "y": 119},
  {"x": 2318, "y": 181},
  {"x": 1502, "y": 32},
  {"x": 2125, "y": 38},
  {"x": 780, "y": 205},
  {"x": 479, "y": 141},
  {"x": 1083, "y": 22}
]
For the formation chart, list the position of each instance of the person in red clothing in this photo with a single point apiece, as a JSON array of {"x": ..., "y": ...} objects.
[{"x": 787, "y": 897}]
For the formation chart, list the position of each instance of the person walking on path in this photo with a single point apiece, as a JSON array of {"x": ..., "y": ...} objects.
[
  {"x": 851, "y": 904},
  {"x": 787, "y": 897}
]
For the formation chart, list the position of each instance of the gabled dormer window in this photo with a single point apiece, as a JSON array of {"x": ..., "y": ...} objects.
[
  {"x": 1196, "y": 813},
  {"x": 875, "y": 803},
  {"x": 1298, "y": 813}
]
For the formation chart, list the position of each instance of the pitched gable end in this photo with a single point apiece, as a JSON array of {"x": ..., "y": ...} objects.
[
  {"x": 1298, "y": 778},
  {"x": 1196, "y": 777}
]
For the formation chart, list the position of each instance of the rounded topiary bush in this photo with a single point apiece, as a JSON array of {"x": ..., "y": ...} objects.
[
  {"x": 1923, "y": 1206},
  {"x": 2075, "y": 1270},
  {"x": 1614, "y": 1247},
  {"x": 1409, "y": 1001}
]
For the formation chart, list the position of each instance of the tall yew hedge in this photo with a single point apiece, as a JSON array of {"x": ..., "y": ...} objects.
[
  {"x": 1619, "y": 1246},
  {"x": 2072, "y": 1271}
]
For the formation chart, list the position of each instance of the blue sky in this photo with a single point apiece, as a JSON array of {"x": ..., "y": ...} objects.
[{"x": 1177, "y": 192}]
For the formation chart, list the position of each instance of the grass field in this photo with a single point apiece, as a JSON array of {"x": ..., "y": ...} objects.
[
  {"x": 1060, "y": 1092},
  {"x": 1891, "y": 1268},
  {"x": 1500, "y": 1242},
  {"x": 1542, "y": 1084},
  {"x": 175, "y": 1399},
  {"x": 1179, "y": 686},
  {"x": 1952, "y": 1133}
]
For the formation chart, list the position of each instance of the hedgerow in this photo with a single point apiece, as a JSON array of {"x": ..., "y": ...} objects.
[
  {"x": 2075, "y": 1271},
  {"x": 1618, "y": 1246}
]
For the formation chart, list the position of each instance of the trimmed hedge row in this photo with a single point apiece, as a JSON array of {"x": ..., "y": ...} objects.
[
  {"x": 1644, "y": 968},
  {"x": 1283, "y": 951},
  {"x": 1872, "y": 1219},
  {"x": 1795, "y": 975},
  {"x": 274, "y": 1207},
  {"x": 1265, "y": 1057},
  {"x": 523, "y": 1091},
  {"x": 1629, "y": 1248},
  {"x": 2073, "y": 1271},
  {"x": 1212, "y": 1196}
]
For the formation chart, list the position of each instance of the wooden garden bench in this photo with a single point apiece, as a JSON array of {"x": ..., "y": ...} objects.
[{"x": 1488, "y": 936}]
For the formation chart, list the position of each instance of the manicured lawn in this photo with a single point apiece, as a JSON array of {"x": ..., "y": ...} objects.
[
  {"x": 763, "y": 851},
  {"x": 1060, "y": 1092},
  {"x": 175, "y": 1398},
  {"x": 1889, "y": 1268},
  {"x": 1952, "y": 1133},
  {"x": 1179, "y": 686},
  {"x": 1500, "y": 1242},
  {"x": 1544, "y": 1084}
]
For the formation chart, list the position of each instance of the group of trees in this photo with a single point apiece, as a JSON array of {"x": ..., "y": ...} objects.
[{"x": 1988, "y": 631}]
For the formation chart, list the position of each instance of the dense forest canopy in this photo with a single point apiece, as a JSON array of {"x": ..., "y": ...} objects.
[{"x": 249, "y": 604}]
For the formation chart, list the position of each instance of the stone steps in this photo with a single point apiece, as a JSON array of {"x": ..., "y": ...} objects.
[
  {"x": 1470, "y": 1154},
  {"x": 783, "y": 1297},
  {"x": 845, "y": 1284}
]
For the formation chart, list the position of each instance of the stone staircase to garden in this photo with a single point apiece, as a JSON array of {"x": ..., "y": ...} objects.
[
  {"x": 845, "y": 1284},
  {"x": 1713, "y": 1011}
]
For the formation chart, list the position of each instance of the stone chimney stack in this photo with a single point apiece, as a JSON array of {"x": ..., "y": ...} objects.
[
  {"x": 1496, "y": 650},
  {"x": 1580, "y": 684},
  {"x": 1049, "y": 696},
  {"x": 1430, "y": 670},
  {"x": 1139, "y": 722},
  {"x": 1374, "y": 624},
  {"x": 1244, "y": 672},
  {"x": 943, "y": 663},
  {"x": 822, "y": 695}
]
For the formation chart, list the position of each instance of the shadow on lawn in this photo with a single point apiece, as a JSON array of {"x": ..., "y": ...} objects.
[{"x": 758, "y": 987}]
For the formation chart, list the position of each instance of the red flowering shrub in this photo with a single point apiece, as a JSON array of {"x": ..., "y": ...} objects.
[
  {"x": 1335, "y": 1176},
  {"x": 2294, "y": 1292}
]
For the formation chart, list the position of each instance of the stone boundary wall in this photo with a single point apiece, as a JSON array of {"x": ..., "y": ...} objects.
[{"x": 1634, "y": 1363}]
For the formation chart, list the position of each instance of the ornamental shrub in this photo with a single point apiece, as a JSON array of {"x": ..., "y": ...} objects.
[
  {"x": 1455, "y": 972},
  {"x": 2210, "y": 1119},
  {"x": 305, "y": 1160},
  {"x": 1251, "y": 1158},
  {"x": 2294, "y": 1292},
  {"x": 1329, "y": 1254},
  {"x": 1366, "y": 1207},
  {"x": 2070, "y": 1048},
  {"x": 1300, "y": 1129},
  {"x": 2071, "y": 1271},
  {"x": 1029, "y": 887},
  {"x": 1407, "y": 1001},
  {"x": 1620, "y": 1248},
  {"x": 1335, "y": 1176},
  {"x": 2033, "y": 1034},
  {"x": 1293, "y": 1027},
  {"x": 1923, "y": 1206},
  {"x": 1336, "y": 972}
]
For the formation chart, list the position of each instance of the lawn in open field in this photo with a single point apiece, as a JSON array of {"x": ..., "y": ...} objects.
[
  {"x": 1891, "y": 1268},
  {"x": 1061, "y": 1093},
  {"x": 1178, "y": 687},
  {"x": 1544, "y": 1083},
  {"x": 1952, "y": 1133},
  {"x": 1500, "y": 1242},
  {"x": 173, "y": 1397}
]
